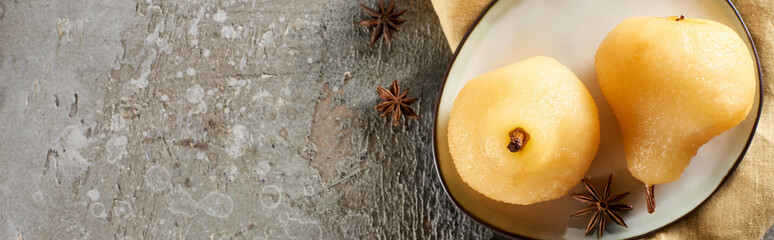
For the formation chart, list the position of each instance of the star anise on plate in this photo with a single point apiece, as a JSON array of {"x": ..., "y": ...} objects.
[
  {"x": 384, "y": 20},
  {"x": 394, "y": 103},
  {"x": 601, "y": 206}
]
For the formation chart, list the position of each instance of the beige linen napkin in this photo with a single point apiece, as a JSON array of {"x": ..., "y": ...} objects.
[{"x": 744, "y": 207}]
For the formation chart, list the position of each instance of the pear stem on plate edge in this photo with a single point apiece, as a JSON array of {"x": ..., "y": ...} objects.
[
  {"x": 518, "y": 138},
  {"x": 649, "y": 198}
]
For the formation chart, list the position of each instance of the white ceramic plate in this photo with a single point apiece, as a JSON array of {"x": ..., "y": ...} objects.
[{"x": 570, "y": 31}]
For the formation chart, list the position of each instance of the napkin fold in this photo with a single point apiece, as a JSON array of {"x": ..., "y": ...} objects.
[{"x": 743, "y": 208}]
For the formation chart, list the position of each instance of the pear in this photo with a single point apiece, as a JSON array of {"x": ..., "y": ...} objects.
[
  {"x": 673, "y": 83},
  {"x": 524, "y": 133}
]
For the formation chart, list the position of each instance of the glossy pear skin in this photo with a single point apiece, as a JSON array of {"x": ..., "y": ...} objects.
[
  {"x": 673, "y": 85},
  {"x": 547, "y": 100}
]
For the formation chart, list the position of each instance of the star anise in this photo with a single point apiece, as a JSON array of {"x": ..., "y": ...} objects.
[
  {"x": 384, "y": 20},
  {"x": 601, "y": 205},
  {"x": 394, "y": 103}
]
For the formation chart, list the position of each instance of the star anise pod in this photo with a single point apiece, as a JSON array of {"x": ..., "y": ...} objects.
[
  {"x": 601, "y": 205},
  {"x": 394, "y": 103},
  {"x": 384, "y": 20}
]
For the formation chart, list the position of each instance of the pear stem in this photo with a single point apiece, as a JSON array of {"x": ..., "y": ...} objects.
[
  {"x": 518, "y": 139},
  {"x": 650, "y": 198},
  {"x": 680, "y": 18}
]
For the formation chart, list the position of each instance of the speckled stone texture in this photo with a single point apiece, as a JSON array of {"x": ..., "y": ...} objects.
[{"x": 216, "y": 120}]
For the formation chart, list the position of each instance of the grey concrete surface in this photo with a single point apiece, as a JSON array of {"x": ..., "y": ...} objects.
[
  {"x": 216, "y": 120},
  {"x": 249, "y": 119},
  {"x": 769, "y": 235}
]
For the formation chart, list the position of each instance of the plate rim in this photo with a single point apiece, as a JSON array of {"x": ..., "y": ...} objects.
[{"x": 515, "y": 235}]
